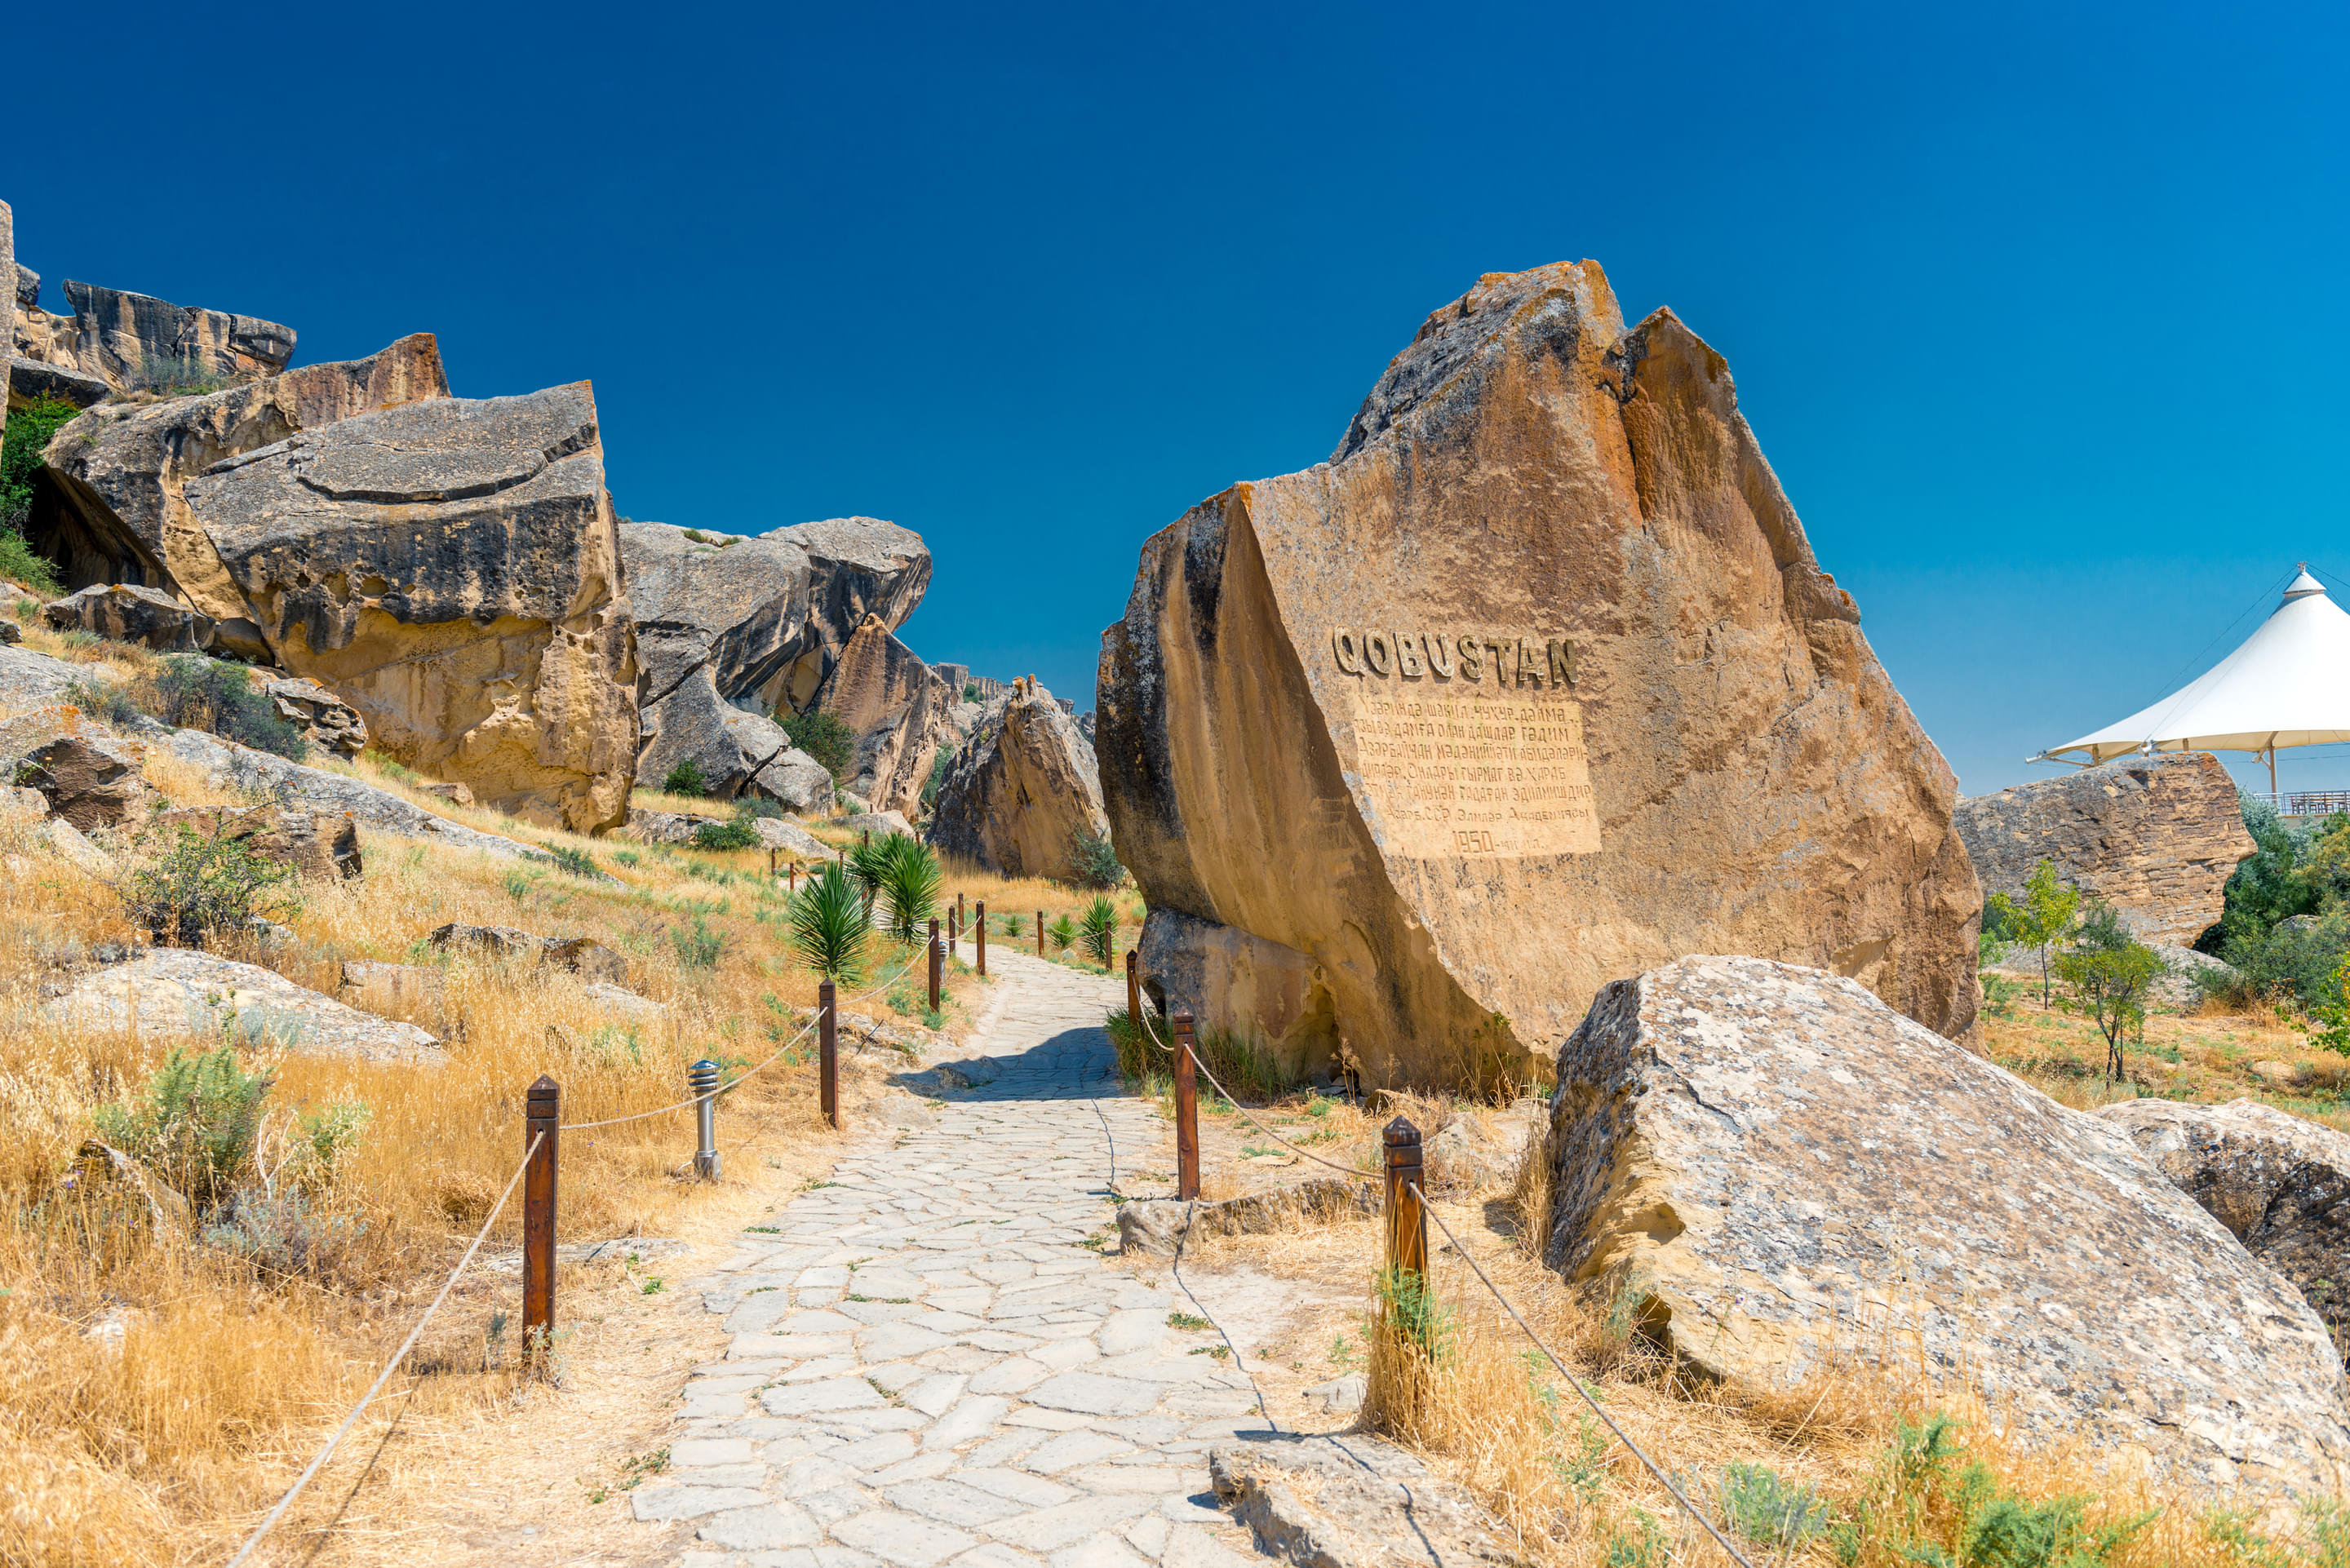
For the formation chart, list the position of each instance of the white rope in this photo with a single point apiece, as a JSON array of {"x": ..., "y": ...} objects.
[
  {"x": 682, "y": 1104},
  {"x": 1203, "y": 1066},
  {"x": 1572, "y": 1381},
  {"x": 390, "y": 1366}
]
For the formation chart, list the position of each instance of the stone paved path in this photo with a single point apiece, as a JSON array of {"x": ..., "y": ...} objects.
[{"x": 930, "y": 1366}]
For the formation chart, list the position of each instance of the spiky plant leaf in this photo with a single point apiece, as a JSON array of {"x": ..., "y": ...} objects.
[
  {"x": 830, "y": 926},
  {"x": 1099, "y": 927},
  {"x": 911, "y": 880}
]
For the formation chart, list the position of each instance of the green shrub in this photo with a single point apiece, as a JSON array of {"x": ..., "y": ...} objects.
[
  {"x": 1093, "y": 860},
  {"x": 941, "y": 765},
  {"x": 19, "y": 562},
  {"x": 2290, "y": 963},
  {"x": 752, "y": 808},
  {"x": 971, "y": 690},
  {"x": 735, "y": 834},
  {"x": 1013, "y": 925},
  {"x": 1099, "y": 929},
  {"x": 168, "y": 376},
  {"x": 203, "y": 884},
  {"x": 29, "y": 430},
  {"x": 1763, "y": 1508},
  {"x": 1062, "y": 932},
  {"x": 195, "y": 1122},
  {"x": 193, "y": 692},
  {"x": 830, "y": 926},
  {"x": 911, "y": 880},
  {"x": 699, "y": 948},
  {"x": 685, "y": 779},
  {"x": 821, "y": 736},
  {"x": 570, "y": 861},
  {"x": 108, "y": 702},
  {"x": 286, "y": 1232}
]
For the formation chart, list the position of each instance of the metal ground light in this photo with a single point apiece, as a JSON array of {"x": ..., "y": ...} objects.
[{"x": 702, "y": 1078}]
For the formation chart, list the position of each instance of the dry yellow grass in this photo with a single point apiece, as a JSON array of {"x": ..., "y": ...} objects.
[{"x": 160, "y": 1391}]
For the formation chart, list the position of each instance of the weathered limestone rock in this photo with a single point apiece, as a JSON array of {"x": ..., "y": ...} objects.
[
  {"x": 899, "y": 708},
  {"x": 790, "y": 837},
  {"x": 1161, "y": 1227},
  {"x": 110, "y": 503},
  {"x": 178, "y": 993},
  {"x": 324, "y": 845},
  {"x": 124, "y": 613},
  {"x": 857, "y": 566},
  {"x": 736, "y": 752},
  {"x": 583, "y": 956},
  {"x": 448, "y": 568},
  {"x": 135, "y": 342},
  {"x": 883, "y": 823},
  {"x": 327, "y": 721},
  {"x": 2281, "y": 1186},
  {"x": 1022, "y": 787},
  {"x": 1535, "y": 684},
  {"x": 1356, "y": 1502},
  {"x": 1790, "y": 1174},
  {"x": 88, "y": 782},
  {"x": 2157, "y": 837},
  {"x": 876, "y": 678},
  {"x": 30, "y": 381},
  {"x": 664, "y": 826}
]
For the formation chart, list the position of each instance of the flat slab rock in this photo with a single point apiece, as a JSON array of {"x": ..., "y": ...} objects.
[
  {"x": 1791, "y": 1174},
  {"x": 1350, "y": 1501},
  {"x": 178, "y": 993}
]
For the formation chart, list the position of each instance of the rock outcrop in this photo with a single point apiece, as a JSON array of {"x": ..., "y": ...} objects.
[
  {"x": 323, "y": 846},
  {"x": 2281, "y": 1186},
  {"x": 719, "y": 617},
  {"x": 89, "y": 782},
  {"x": 325, "y": 720},
  {"x": 135, "y": 342},
  {"x": 900, "y": 709},
  {"x": 1021, "y": 790},
  {"x": 2156, "y": 837},
  {"x": 857, "y": 567},
  {"x": 121, "y": 612},
  {"x": 109, "y": 503},
  {"x": 450, "y": 567},
  {"x": 176, "y": 993},
  {"x": 1535, "y": 684},
  {"x": 1786, "y": 1173}
]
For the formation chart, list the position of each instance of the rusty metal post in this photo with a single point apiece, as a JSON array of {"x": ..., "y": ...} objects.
[
  {"x": 1406, "y": 1225},
  {"x": 541, "y": 1112},
  {"x": 1186, "y": 1112},
  {"x": 702, "y": 1078},
  {"x": 828, "y": 1055},
  {"x": 938, "y": 965},
  {"x": 770, "y": 862},
  {"x": 1040, "y": 933},
  {"x": 961, "y": 919},
  {"x": 1133, "y": 991},
  {"x": 980, "y": 930}
]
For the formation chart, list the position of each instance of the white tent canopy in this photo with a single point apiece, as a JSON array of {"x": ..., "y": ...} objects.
[{"x": 2287, "y": 685}]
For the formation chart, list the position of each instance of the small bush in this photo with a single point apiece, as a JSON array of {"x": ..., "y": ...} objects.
[
  {"x": 1763, "y": 1508},
  {"x": 971, "y": 690},
  {"x": 699, "y": 948},
  {"x": 685, "y": 779},
  {"x": 168, "y": 376},
  {"x": 286, "y": 1233},
  {"x": 193, "y": 692},
  {"x": 823, "y": 737},
  {"x": 754, "y": 807},
  {"x": 195, "y": 1122},
  {"x": 1093, "y": 860},
  {"x": 203, "y": 884},
  {"x": 20, "y": 562},
  {"x": 1013, "y": 925},
  {"x": 1062, "y": 932},
  {"x": 29, "y": 430},
  {"x": 108, "y": 702},
  {"x": 1099, "y": 929},
  {"x": 735, "y": 834},
  {"x": 570, "y": 861}
]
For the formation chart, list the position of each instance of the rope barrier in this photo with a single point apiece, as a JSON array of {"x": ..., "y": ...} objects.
[
  {"x": 1572, "y": 1381},
  {"x": 1203, "y": 1066},
  {"x": 391, "y": 1367},
  {"x": 683, "y": 1104}
]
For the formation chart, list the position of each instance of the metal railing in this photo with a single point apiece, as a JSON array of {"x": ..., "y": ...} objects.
[{"x": 2305, "y": 802}]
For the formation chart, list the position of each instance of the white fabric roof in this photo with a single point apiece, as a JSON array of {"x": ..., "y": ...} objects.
[{"x": 2288, "y": 685}]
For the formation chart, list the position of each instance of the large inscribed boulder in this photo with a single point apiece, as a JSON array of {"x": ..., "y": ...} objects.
[
  {"x": 448, "y": 568},
  {"x": 1021, "y": 790},
  {"x": 2157, "y": 837},
  {"x": 2280, "y": 1184},
  {"x": 1787, "y": 1175},
  {"x": 1534, "y": 684}
]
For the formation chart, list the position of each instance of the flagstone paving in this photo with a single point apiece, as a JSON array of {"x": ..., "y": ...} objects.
[{"x": 930, "y": 1366}]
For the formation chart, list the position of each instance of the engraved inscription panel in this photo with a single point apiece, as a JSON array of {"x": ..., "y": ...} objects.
[{"x": 1456, "y": 770}]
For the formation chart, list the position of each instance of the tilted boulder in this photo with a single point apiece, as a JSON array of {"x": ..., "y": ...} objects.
[
  {"x": 88, "y": 782},
  {"x": 1021, "y": 789},
  {"x": 897, "y": 708},
  {"x": 325, "y": 720},
  {"x": 109, "y": 502},
  {"x": 1784, "y": 1174},
  {"x": 2281, "y": 1186},
  {"x": 857, "y": 567},
  {"x": 735, "y": 752},
  {"x": 122, "y": 613},
  {"x": 321, "y": 844},
  {"x": 135, "y": 342},
  {"x": 1535, "y": 684},
  {"x": 448, "y": 568},
  {"x": 2157, "y": 837}
]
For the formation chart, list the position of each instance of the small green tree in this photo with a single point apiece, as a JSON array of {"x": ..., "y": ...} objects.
[
  {"x": 823, "y": 736},
  {"x": 2046, "y": 915},
  {"x": 2108, "y": 975},
  {"x": 829, "y": 925},
  {"x": 2329, "y": 1020},
  {"x": 685, "y": 779},
  {"x": 201, "y": 884}
]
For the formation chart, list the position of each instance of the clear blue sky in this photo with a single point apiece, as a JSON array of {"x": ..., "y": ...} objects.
[{"x": 2038, "y": 311}]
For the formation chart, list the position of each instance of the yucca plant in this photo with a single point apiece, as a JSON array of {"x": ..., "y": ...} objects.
[
  {"x": 1099, "y": 927},
  {"x": 911, "y": 880},
  {"x": 869, "y": 862},
  {"x": 1062, "y": 932},
  {"x": 829, "y": 925}
]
